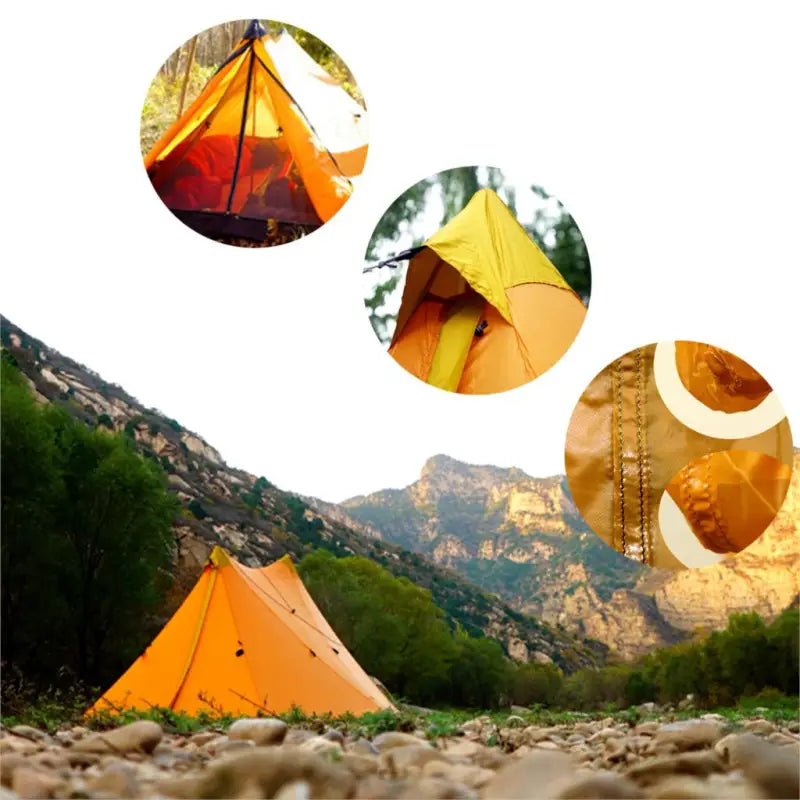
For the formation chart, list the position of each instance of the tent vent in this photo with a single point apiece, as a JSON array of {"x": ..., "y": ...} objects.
[
  {"x": 240, "y": 652},
  {"x": 481, "y": 328},
  {"x": 335, "y": 650},
  {"x": 313, "y": 654}
]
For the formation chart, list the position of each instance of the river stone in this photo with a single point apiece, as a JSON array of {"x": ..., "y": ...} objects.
[
  {"x": 260, "y": 731},
  {"x": 334, "y": 735},
  {"x": 467, "y": 774},
  {"x": 29, "y": 732},
  {"x": 137, "y": 737},
  {"x": 654, "y": 769},
  {"x": 296, "y": 736},
  {"x": 359, "y": 765},
  {"x": 759, "y": 726},
  {"x": 321, "y": 745},
  {"x": 16, "y": 744},
  {"x": 8, "y": 763},
  {"x": 691, "y": 734},
  {"x": 362, "y": 747},
  {"x": 202, "y": 738},
  {"x": 30, "y": 782},
  {"x": 117, "y": 780},
  {"x": 600, "y": 785},
  {"x": 433, "y": 789},
  {"x": 397, "y": 762},
  {"x": 296, "y": 790},
  {"x": 775, "y": 768},
  {"x": 391, "y": 739},
  {"x": 262, "y": 772},
  {"x": 532, "y": 776},
  {"x": 646, "y": 728}
]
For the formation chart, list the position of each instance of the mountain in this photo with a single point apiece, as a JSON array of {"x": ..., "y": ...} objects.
[
  {"x": 524, "y": 539},
  {"x": 259, "y": 522}
]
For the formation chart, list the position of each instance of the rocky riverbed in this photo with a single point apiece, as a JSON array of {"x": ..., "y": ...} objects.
[{"x": 695, "y": 758}]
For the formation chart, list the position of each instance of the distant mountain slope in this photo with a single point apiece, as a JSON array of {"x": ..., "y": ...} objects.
[
  {"x": 524, "y": 539},
  {"x": 259, "y": 522}
]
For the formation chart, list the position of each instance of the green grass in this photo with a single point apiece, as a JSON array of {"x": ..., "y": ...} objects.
[{"x": 64, "y": 707}]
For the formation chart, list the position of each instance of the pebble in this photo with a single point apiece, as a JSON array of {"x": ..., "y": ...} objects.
[
  {"x": 141, "y": 737},
  {"x": 259, "y": 757},
  {"x": 260, "y": 731}
]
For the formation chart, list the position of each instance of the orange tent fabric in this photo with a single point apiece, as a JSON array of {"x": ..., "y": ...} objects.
[
  {"x": 245, "y": 152},
  {"x": 246, "y": 640},
  {"x": 483, "y": 309}
]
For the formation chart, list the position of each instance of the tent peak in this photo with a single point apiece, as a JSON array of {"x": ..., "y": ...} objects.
[
  {"x": 255, "y": 30},
  {"x": 218, "y": 557}
]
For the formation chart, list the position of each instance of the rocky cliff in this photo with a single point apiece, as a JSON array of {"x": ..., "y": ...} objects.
[
  {"x": 524, "y": 539},
  {"x": 258, "y": 522}
]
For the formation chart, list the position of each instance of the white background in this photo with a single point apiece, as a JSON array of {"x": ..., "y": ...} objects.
[{"x": 670, "y": 132}]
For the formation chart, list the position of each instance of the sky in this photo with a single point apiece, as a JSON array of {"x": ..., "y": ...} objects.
[{"x": 269, "y": 354}]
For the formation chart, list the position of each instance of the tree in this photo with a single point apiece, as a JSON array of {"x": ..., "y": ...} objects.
[
  {"x": 479, "y": 674},
  {"x": 86, "y": 540},
  {"x": 118, "y": 530},
  {"x": 390, "y": 625},
  {"x": 31, "y": 483}
]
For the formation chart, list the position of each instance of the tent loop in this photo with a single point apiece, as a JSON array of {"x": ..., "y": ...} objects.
[{"x": 393, "y": 261}]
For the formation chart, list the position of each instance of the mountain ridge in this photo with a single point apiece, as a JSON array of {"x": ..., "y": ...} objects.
[
  {"x": 523, "y": 538},
  {"x": 259, "y": 522}
]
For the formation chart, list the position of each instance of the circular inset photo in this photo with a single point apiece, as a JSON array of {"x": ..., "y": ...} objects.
[
  {"x": 253, "y": 133},
  {"x": 477, "y": 280},
  {"x": 679, "y": 454}
]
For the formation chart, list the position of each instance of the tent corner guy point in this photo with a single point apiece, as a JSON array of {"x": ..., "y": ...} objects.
[
  {"x": 483, "y": 309},
  {"x": 245, "y": 641},
  {"x": 271, "y": 136}
]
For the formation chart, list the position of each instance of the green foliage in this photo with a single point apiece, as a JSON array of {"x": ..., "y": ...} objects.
[
  {"x": 252, "y": 497},
  {"x": 479, "y": 674},
  {"x": 536, "y": 684},
  {"x": 105, "y": 421},
  {"x": 44, "y": 706},
  {"x": 86, "y": 541},
  {"x": 197, "y": 510},
  {"x": 322, "y": 53},
  {"x": 396, "y": 632},
  {"x": 557, "y": 234},
  {"x": 748, "y": 659},
  {"x": 160, "y": 108}
]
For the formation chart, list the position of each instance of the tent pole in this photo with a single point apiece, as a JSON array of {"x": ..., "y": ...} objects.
[
  {"x": 190, "y": 61},
  {"x": 242, "y": 131}
]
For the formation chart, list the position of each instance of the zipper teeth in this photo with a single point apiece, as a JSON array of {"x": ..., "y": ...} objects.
[
  {"x": 620, "y": 443},
  {"x": 641, "y": 458}
]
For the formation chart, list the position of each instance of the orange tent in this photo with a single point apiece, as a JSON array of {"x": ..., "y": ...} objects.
[
  {"x": 483, "y": 309},
  {"x": 246, "y": 640},
  {"x": 245, "y": 151}
]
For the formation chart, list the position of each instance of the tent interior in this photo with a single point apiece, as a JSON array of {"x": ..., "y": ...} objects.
[{"x": 255, "y": 144}]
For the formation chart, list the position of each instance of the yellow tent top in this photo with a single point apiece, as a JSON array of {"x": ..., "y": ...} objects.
[
  {"x": 483, "y": 309},
  {"x": 246, "y": 640},
  {"x": 493, "y": 252}
]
